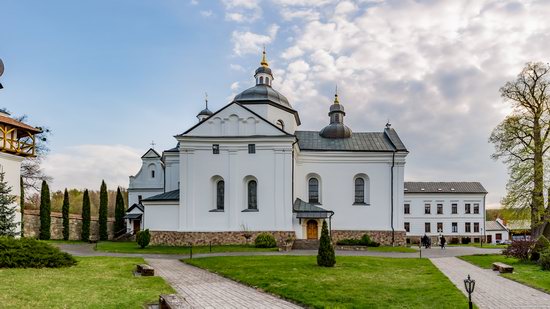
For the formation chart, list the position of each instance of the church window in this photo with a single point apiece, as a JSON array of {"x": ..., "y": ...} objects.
[
  {"x": 252, "y": 194},
  {"x": 280, "y": 124},
  {"x": 216, "y": 149},
  {"x": 153, "y": 174},
  {"x": 251, "y": 148},
  {"x": 407, "y": 208},
  {"x": 220, "y": 194},
  {"x": 359, "y": 191},
  {"x": 267, "y": 80},
  {"x": 407, "y": 227},
  {"x": 140, "y": 197},
  {"x": 313, "y": 186},
  {"x": 261, "y": 79}
]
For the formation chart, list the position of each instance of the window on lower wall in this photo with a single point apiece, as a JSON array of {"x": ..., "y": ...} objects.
[
  {"x": 359, "y": 191},
  {"x": 252, "y": 195},
  {"x": 407, "y": 208},
  {"x": 407, "y": 227},
  {"x": 455, "y": 227},
  {"x": 427, "y": 227},
  {"x": 440, "y": 227},
  {"x": 467, "y": 227},
  {"x": 313, "y": 190},
  {"x": 476, "y": 227},
  {"x": 220, "y": 194}
]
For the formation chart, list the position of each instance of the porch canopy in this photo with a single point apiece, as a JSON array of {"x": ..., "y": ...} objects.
[
  {"x": 132, "y": 216},
  {"x": 305, "y": 210}
]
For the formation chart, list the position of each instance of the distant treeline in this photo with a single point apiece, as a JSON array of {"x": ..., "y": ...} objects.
[
  {"x": 75, "y": 198},
  {"x": 508, "y": 214}
]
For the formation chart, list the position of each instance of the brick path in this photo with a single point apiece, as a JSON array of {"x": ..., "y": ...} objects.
[
  {"x": 203, "y": 289},
  {"x": 491, "y": 290}
]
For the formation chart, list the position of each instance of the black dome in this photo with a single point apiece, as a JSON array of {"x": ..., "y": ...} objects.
[
  {"x": 262, "y": 93},
  {"x": 205, "y": 112},
  {"x": 263, "y": 69},
  {"x": 335, "y": 130}
]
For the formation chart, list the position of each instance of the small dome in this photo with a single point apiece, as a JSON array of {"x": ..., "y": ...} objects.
[
  {"x": 336, "y": 130},
  {"x": 336, "y": 108},
  {"x": 205, "y": 112},
  {"x": 262, "y": 93},
  {"x": 262, "y": 69}
]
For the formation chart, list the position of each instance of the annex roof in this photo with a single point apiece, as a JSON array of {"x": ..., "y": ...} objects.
[
  {"x": 494, "y": 226},
  {"x": 135, "y": 205},
  {"x": 308, "y": 210},
  {"x": 14, "y": 123},
  {"x": 151, "y": 153},
  {"x": 444, "y": 187},
  {"x": 166, "y": 196}
]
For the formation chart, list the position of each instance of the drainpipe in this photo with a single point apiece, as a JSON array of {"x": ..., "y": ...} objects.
[{"x": 391, "y": 199}]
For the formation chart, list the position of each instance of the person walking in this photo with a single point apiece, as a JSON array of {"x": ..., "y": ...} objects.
[{"x": 442, "y": 242}]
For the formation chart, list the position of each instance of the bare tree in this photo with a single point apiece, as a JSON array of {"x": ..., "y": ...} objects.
[{"x": 521, "y": 141}]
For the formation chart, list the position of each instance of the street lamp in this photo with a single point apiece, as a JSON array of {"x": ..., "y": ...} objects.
[
  {"x": 469, "y": 285},
  {"x": 482, "y": 237}
]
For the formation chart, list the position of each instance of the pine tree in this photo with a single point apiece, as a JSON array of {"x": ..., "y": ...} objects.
[
  {"x": 103, "y": 200},
  {"x": 120, "y": 211},
  {"x": 7, "y": 209},
  {"x": 86, "y": 217},
  {"x": 325, "y": 256},
  {"x": 65, "y": 212},
  {"x": 45, "y": 211},
  {"x": 22, "y": 206}
]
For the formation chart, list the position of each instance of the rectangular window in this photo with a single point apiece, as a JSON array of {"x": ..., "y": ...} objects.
[
  {"x": 498, "y": 237},
  {"x": 476, "y": 227},
  {"x": 427, "y": 209},
  {"x": 454, "y": 208},
  {"x": 215, "y": 148},
  {"x": 455, "y": 227},
  {"x": 427, "y": 227},
  {"x": 140, "y": 198},
  {"x": 439, "y": 209},
  {"x": 440, "y": 227},
  {"x": 467, "y": 227},
  {"x": 407, "y": 227},
  {"x": 251, "y": 148},
  {"x": 467, "y": 208},
  {"x": 407, "y": 208},
  {"x": 476, "y": 208}
]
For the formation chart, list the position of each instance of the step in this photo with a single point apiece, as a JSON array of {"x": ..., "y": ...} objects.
[{"x": 306, "y": 244}]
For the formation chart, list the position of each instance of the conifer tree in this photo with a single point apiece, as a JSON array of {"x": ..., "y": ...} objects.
[
  {"x": 22, "y": 205},
  {"x": 86, "y": 217},
  {"x": 7, "y": 209},
  {"x": 120, "y": 211},
  {"x": 65, "y": 212},
  {"x": 45, "y": 211},
  {"x": 103, "y": 200},
  {"x": 325, "y": 255}
]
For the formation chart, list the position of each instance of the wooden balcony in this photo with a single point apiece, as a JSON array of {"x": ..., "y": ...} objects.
[{"x": 17, "y": 138}]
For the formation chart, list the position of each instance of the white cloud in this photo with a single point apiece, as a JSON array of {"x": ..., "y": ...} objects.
[
  {"x": 234, "y": 86},
  {"x": 207, "y": 13},
  {"x": 84, "y": 166},
  {"x": 242, "y": 10},
  {"x": 194, "y": 2},
  {"x": 236, "y": 67},
  {"x": 246, "y": 42}
]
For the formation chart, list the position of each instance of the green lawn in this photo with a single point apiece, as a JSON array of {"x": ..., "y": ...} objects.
[
  {"x": 358, "y": 282},
  {"x": 524, "y": 272},
  {"x": 477, "y": 245},
  {"x": 96, "y": 282},
  {"x": 392, "y": 249},
  {"x": 132, "y": 247}
]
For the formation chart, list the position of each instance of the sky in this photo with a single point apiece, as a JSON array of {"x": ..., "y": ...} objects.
[{"x": 110, "y": 77}]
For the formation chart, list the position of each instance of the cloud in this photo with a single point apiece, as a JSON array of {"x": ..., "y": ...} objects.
[
  {"x": 247, "y": 42},
  {"x": 236, "y": 67},
  {"x": 242, "y": 11},
  {"x": 84, "y": 166},
  {"x": 207, "y": 13}
]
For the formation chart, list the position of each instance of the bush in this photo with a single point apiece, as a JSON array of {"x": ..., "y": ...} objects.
[
  {"x": 265, "y": 240},
  {"x": 544, "y": 260},
  {"x": 30, "y": 253},
  {"x": 325, "y": 255},
  {"x": 374, "y": 244},
  {"x": 520, "y": 249},
  {"x": 364, "y": 241},
  {"x": 454, "y": 241},
  {"x": 143, "y": 238},
  {"x": 540, "y": 246}
]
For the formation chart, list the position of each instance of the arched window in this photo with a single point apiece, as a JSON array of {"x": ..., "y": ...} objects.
[
  {"x": 359, "y": 190},
  {"x": 252, "y": 194},
  {"x": 153, "y": 174},
  {"x": 313, "y": 189},
  {"x": 280, "y": 124},
  {"x": 267, "y": 80},
  {"x": 220, "y": 194},
  {"x": 261, "y": 79}
]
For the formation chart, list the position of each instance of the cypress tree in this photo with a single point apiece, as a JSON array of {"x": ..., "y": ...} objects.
[
  {"x": 65, "y": 211},
  {"x": 22, "y": 205},
  {"x": 45, "y": 211},
  {"x": 86, "y": 217},
  {"x": 7, "y": 209},
  {"x": 325, "y": 255},
  {"x": 120, "y": 211},
  {"x": 103, "y": 200}
]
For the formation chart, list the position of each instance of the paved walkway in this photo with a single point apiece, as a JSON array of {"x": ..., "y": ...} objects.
[
  {"x": 203, "y": 289},
  {"x": 491, "y": 290}
]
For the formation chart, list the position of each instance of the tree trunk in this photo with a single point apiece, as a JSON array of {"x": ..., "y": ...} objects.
[{"x": 537, "y": 209}]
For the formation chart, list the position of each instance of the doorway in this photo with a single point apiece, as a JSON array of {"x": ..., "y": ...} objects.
[
  {"x": 489, "y": 239},
  {"x": 312, "y": 229},
  {"x": 137, "y": 225}
]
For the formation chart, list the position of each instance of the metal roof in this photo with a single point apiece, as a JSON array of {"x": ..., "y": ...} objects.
[
  {"x": 387, "y": 141},
  {"x": 307, "y": 210},
  {"x": 132, "y": 216},
  {"x": 135, "y": 205},
  {"x": 444, "y": 187},
  {"x": 166, "y": 196},
  {"x": 260, "y": 93},
  {"x": 494, "y": 226}
]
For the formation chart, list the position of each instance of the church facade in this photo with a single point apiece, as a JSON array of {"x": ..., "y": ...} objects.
[{"x": 247, "y": 168}]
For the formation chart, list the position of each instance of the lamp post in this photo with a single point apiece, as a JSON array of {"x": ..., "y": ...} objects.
[
  {"x": 469, "y": 285},
  {"x": 482, "y": 236}
]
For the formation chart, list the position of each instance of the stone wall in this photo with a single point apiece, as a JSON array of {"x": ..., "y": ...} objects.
[
  {"x": 383, "y": 237},
  {"x": 31, "y": 218},
  {"x": 217, "y": 238}
]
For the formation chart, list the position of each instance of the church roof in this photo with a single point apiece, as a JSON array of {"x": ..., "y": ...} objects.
[
  {"x": 444, "y": 187},
  {"x": 151, "y": 153},
  {"x": 387, "y": 141},
  {"x": 261, "y": 93},
  {"x": 166, "y": 196}
]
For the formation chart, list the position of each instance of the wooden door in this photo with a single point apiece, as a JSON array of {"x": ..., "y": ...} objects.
[
  {"x": 312, "y": 229},
  {"x": 137, "y": 226},
  {"x": 489, "y": 239}
]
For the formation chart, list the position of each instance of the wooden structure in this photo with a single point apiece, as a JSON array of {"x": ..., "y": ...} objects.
[
  {"x": 503, "y": 268},
  {"x": 16, "y": 137}
]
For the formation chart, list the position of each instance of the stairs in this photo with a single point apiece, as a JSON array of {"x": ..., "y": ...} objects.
[
  {"x": 305, "y": 244},
  {"x": 125, "y": 237}
]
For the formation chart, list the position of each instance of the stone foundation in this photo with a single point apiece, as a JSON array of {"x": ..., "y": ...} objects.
[
  {"x": 31, "y": 219},
  {"x": 169, "y": 238},
  {"x": 383, "y": 237}
]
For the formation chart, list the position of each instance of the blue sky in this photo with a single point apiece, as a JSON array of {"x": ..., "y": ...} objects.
[{"x": 108, "y": 77}]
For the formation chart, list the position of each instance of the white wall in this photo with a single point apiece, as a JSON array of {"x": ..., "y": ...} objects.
[
  {"x": 143, "y": 183},
  {"x": 417, "y": 218},
  {"x": 172, "y": 170},
  {"x": 11, "y": 166},
  {"x": 161, "y": 216},
  {"x": 273, "y": 114}
]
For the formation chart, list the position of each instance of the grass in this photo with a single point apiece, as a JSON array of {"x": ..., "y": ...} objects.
[
  {"x": 527, "y": 273},
  {"x": 477, "y": 245},
  {"x": 392, "y": 249},
  {"x": 132, "y": 247},
  {"x": 96, "y": 282},
  {"x": 355, "y": 282}
]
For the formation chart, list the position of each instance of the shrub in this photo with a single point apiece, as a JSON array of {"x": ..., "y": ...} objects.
[
  {"x": 30, "y": 253},
  {"x": 454, "y": 241},
  {"x": 143, "y": 238},
  {"x": 265, "y": 240},
  {"x": 540, "y": 246},
  {"x": 350, "y": 242},
  {"x": 65, "y": 212},
  {"x": 325, "y": 255},
  {"x": 86, "y": 217},
  {"x": 374, "y": 244},
  {"x": 519, "y": 249},
  {"x": 45, "y": 211},
  {"x": 103, "y": 201},
  {"x": 544, "y": 260}
]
